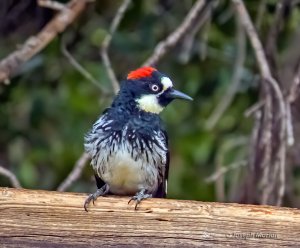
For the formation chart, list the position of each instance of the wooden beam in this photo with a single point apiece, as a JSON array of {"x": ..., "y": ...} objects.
[{"x": 34, "y": 218}]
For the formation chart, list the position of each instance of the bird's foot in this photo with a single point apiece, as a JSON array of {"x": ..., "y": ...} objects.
[
  {"x": 139, "y": 197},
  {"x": 92, "y": 197}
]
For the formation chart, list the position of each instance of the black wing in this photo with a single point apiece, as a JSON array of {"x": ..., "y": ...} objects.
[
  {"x": 99, "y": 182},
  {"x": 162, "y": 188}
]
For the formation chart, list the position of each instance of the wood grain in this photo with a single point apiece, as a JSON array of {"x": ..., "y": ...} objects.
[{"x": 34, "y": 218}]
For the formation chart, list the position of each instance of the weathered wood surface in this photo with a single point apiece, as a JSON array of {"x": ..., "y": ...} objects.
[{"x": 30, "y": 218}]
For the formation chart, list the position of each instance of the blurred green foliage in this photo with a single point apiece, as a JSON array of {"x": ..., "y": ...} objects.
[{"x": 49, "y": 105}]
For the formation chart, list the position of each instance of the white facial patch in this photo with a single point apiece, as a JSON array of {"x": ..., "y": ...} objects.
[
  {"x": 149, "y": 103},
  {"x": 166, "y": 82}
]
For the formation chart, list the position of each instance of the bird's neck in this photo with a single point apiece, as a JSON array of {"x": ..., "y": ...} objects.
[
  {"x": 125, "y": 110},
  {"x": 125, "y": 101}
]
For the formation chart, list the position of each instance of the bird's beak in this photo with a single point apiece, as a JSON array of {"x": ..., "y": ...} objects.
[{"x": 177, "y": 94}]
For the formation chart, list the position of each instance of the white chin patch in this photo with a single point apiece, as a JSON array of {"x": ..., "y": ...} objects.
[
  {"x": 166, "y": 82},
  {"x": 149, "y": 103}
]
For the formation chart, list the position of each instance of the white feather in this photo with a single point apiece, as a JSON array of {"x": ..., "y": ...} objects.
[
  {"x": 166, "y": 82},
  {"x": 149, "y": 103}
]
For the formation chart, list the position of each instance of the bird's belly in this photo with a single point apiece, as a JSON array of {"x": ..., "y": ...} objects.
[{"x": 126, "y": 176}]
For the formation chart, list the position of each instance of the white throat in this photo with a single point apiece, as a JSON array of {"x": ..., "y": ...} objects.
[{"x": 149, "y": 103}]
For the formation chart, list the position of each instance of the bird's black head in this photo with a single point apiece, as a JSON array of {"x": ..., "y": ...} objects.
[{"x": 150, "y": 89}]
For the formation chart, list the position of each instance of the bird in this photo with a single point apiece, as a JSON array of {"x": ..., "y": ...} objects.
[{"x": 128, "y": 144}]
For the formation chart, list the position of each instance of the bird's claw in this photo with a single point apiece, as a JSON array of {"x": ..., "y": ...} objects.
[
  {"x": 88, "y": 200},
  {"x": 139, "y": 197},
  {"x": 93, "y": 197}
]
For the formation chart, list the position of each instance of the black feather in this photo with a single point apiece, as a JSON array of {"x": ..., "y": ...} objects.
[
  {"x": 162, "y": 187},
  {"x": 99, "y": 181}
]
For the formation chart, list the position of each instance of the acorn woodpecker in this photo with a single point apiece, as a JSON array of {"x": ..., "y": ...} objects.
[{"x": 128, "y": 144}]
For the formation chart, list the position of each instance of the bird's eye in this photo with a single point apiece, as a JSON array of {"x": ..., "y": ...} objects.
[{"x": 154, "y": 87}]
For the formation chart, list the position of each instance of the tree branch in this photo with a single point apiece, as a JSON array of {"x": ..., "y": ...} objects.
[
  {"x": 75, "y": 173},
  {"x": 165, "y": 45},
  {"x": 80, "y": 69},
  {"x": 51, "y": 5},
  {"x": 294, "y": 91},
  {"x": 12, "y": 63},
  {"x": 260, "y": 13},
  {"x": 11, "y": 176},
  {"x": 189, "y": 37},
  {"x": 273, "y": 34},
  {"x": 253, "y": 37},
  {"x": 226, "y": 100},
  {"x": 223, "y": 170},
  {"x": 271, "y": 87},
  {"x": 106, "y": 43}
]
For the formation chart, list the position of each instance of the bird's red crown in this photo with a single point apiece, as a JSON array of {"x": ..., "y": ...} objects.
[{"x": 141, "y": 73}]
